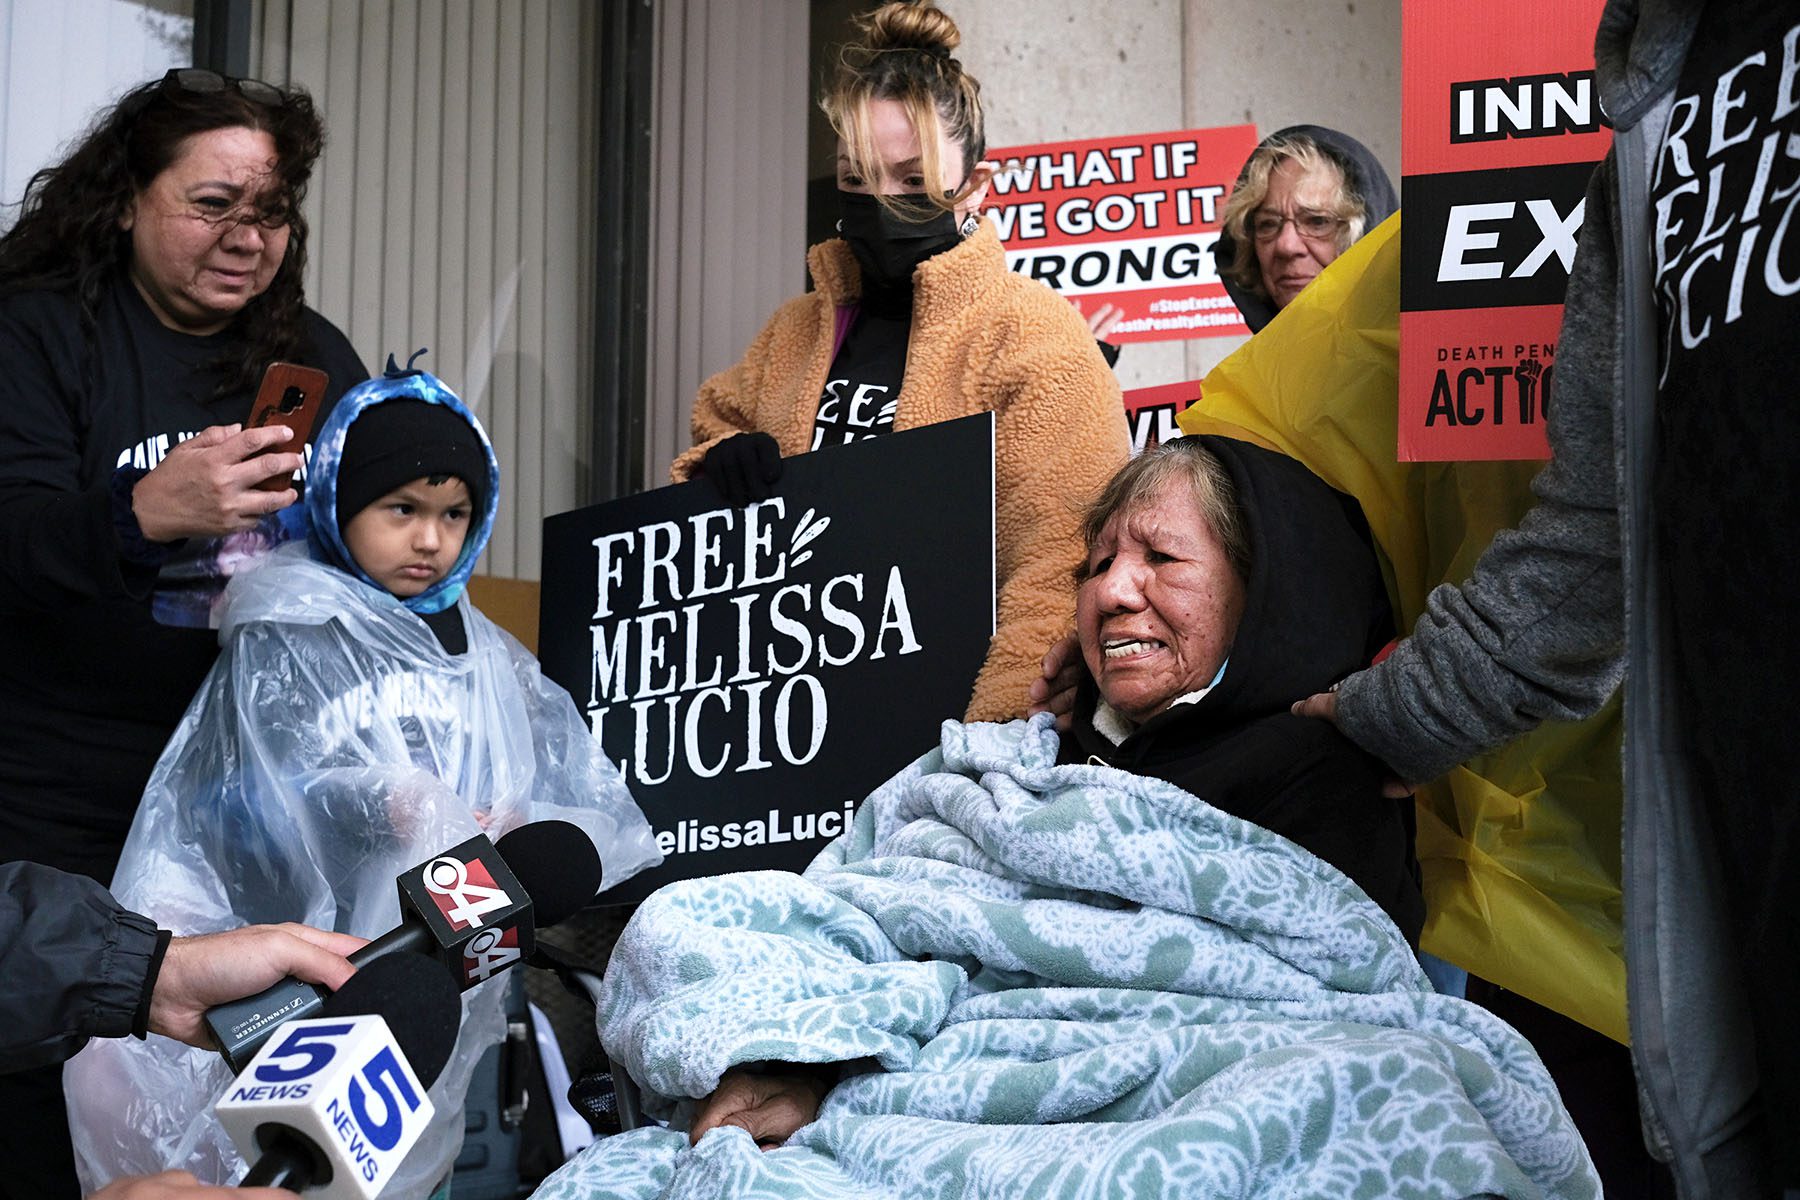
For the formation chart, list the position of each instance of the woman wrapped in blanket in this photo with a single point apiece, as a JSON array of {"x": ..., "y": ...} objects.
[
  {"x": 1036, "y": 967},
  {"x": 1220, "y": 581}
]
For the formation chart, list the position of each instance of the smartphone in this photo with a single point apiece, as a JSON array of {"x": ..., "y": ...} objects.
[{"x": 290, "y": 395}]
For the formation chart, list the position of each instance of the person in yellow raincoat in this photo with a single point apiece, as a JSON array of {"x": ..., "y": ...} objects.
[{"x": 1519, "y": 847}]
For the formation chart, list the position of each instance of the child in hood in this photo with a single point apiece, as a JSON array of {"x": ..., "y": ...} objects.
[{"x": 362, "y": 717}]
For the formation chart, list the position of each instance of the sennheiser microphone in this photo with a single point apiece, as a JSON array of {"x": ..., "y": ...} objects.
[
  {"x": 475, "y": 908},
  {"x": 335, "y": 1103}
]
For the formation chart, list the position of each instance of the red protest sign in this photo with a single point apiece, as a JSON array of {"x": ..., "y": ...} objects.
[
  {"x": 1500, "y": 129},
  {"x": 1150, "y": 412},
  {"x": 1127, "y": 221}
]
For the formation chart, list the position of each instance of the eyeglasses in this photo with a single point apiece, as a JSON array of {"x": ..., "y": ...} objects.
[
  {"x": 198, "y": 81},
  {"x": 1313, "y": 226},
  {"x": 201, "y": 82}
]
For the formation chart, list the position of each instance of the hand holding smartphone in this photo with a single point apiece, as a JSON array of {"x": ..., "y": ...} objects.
[{"x": 290, "y": 395}]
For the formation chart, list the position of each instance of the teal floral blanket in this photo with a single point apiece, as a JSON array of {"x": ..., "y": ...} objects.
[{"x": 1064, "y": 982}]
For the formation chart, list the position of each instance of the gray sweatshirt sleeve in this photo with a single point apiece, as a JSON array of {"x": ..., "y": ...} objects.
[{"x": 1537, "y": 630}]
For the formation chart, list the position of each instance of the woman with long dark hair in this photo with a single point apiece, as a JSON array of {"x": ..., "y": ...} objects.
[{"x": 152, "y": 276}]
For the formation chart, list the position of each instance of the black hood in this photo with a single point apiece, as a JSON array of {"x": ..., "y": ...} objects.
[
  {"x": 1314, "y": 611},
  {"x": 1366, "y": 178},
  {"x": 1315, "y": 607}
]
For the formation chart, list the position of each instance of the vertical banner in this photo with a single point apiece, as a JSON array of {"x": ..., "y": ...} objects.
[
  {"x": 1500, "y": 130},
  {"x": 1126, "y": 221},
  {"x": 755, "y": 672}
]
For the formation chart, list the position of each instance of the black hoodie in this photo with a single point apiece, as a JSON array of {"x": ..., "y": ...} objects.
[
  {"x": 1362, "y": 170},
  {"x": 1315, "y": 609}
]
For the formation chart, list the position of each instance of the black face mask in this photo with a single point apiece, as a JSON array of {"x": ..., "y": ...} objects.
[{"x": 888, "y": 247}]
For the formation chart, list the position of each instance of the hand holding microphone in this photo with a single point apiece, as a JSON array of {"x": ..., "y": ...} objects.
[{"x": 214, "y": 968}]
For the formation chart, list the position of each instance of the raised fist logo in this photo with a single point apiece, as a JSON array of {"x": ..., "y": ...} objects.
[{"x": 1528, "y": 373}]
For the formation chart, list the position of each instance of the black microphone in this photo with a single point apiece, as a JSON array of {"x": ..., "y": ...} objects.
[
  {"x": 475, "y": 908},
  {"x": 338, "y": 1102}
]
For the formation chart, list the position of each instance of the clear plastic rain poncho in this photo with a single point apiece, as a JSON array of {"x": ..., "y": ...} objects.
[{"x": 334, "y": 745}]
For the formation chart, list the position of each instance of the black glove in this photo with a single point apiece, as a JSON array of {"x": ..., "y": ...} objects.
[{"x": 744, "y": 467}]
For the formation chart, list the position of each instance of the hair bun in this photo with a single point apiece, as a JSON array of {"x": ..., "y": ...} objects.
[{"x": 905, "y": 25}]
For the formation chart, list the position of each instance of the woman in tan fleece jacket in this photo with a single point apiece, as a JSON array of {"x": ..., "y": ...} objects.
[{"x": 916, "y": 319}]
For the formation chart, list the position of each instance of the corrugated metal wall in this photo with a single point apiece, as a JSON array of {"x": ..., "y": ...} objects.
[
  {"x": 451, "y": 209},
  {"x": 728, "y": 226}
]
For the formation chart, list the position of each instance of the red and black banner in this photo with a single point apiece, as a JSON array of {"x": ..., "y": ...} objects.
[
  {"x": 1127, "y": 223},
  {"x": 1150, "y": 412},
  {"x": 1500, "y": 129}
]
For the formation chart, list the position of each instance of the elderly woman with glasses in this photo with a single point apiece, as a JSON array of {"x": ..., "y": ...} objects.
[
  {"x": 151, "y": 277},
  {"x": 1305, "y": 195}
]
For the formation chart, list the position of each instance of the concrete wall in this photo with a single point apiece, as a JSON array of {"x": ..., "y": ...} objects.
[
  {"x": 1285, "y": 62},
  {"x": 1058, "y": 69}
]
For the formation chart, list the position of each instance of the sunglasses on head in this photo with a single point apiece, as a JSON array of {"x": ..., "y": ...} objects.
[{"x": 198, "y": 81}]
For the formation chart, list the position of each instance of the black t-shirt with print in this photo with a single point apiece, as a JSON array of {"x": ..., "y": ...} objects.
[
  {"x": 99, "y": 657},
  {"x": 864, "y": 381},
  {"x": 1725, "y": 249}
]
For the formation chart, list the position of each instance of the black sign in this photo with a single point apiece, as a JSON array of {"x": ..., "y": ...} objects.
[
  {"x": 1493, "y": 239},
  {"x": 756, "y": 671}
]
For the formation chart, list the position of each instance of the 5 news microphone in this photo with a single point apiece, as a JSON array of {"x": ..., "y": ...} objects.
[
  {"x": 475, "y": 908},
  {"x": 332, "y": 1105}
]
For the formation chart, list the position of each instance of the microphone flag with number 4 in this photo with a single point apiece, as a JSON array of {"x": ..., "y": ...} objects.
[
  {"x": 474, "y": 908},
  {"x": 464, "y": 907},
  {"x": 477, "y": 911}
]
